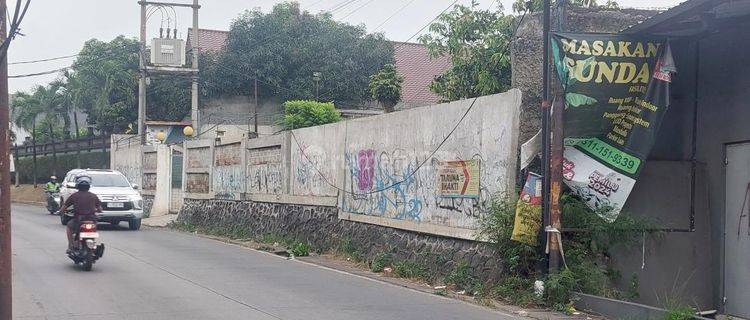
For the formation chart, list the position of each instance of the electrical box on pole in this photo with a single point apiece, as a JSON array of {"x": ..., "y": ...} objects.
[{"x": 168, "y": 52}]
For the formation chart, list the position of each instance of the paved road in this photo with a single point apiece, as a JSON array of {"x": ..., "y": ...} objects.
[{"x": 156, "y": 274}]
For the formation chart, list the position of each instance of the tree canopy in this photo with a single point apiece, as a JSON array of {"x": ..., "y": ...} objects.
[
  {"x": 536, "y": 5},
  {"x": 307, "y": 113},
  {"x": 283, "y": 48},
  {"x": 103, "y": 84},
  {"x": 385, "y": 87},
  {"x": 477, "y": 41}
]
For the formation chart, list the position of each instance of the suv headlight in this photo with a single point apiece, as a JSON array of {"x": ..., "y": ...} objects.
[{"x": 137, "y": 202}]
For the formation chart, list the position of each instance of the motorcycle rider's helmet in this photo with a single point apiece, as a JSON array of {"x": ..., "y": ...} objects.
[
  {"x": 83, "y": 183},
  {"x": 53, "y": 178}
]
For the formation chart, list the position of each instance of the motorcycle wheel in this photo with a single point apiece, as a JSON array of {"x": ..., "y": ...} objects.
[{"x": 87, "y": 265}]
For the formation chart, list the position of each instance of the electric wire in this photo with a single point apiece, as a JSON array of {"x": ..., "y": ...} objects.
[
  {"x": 392, "y": 15},
  {"x": 433, "y": 20},
  {"x": 408, "y": 176}
]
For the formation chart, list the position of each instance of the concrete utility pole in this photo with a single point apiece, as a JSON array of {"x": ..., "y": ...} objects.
[
  {"x": 142, "y": 80},
  {"x": 6, "y": 277},
  {"x": 255, "y": 108},
  {"x": 196, "y": 50}
]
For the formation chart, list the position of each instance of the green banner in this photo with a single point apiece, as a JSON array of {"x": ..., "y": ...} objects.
[{"x": 616, "y": 92}]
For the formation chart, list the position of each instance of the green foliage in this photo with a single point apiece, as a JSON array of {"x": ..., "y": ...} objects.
[
  {"x": 381, "y": 260},
  {"x": 409, "y": 269},
  {"x": 537, "y": 5},
  {"x": 306, "y": 113},
  {"x": 678, "y": 311},
  {"x": 283, "y": 48},
  {"x": 477, "y": 42},
  {"x": 47, "y": 166},
  {"x": 586, "y": 252},
  {"x": 347, "y": 247},
  {"x": 559, "y": 287},
  {"x": 385, "y": 87},
  {"x": 44, "y": 112},
  {"x": 300, "y": 249},
  {"x": 103, "y": 83},
  {"x": 516, "y": 290},
  {"x": 497, "y": 227},
  {"x": 461, "y": 277}
]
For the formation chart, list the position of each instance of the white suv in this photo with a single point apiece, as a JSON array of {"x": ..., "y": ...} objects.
[{"x": 120, "y": 199}]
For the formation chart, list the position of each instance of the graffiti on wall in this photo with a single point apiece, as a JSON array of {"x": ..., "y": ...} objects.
[
  {"x": 312, "y": 171},
  {"x": 264, "y": 170},
  {"x": 387, "y": 184},
  {"x": 228, "y": 174},
  {"x": 149, "y": 181}
]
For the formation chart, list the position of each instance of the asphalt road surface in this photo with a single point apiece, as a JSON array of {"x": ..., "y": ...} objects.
[{"x": 159, "y": 274}]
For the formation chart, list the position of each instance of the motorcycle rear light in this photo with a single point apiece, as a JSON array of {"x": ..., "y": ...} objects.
[{"x": 88, "y": 227}]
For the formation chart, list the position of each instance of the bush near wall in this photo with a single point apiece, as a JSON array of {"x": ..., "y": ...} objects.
[{"x": 46, "y": 166}]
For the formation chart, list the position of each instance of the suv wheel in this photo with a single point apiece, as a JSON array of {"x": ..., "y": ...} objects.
[{"x": 134, "y": 224}]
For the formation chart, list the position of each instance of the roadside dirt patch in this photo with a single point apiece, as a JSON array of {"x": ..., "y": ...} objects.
[{"x": 26, "y": 193}]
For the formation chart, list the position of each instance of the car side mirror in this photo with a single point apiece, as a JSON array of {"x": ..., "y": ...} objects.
[
  {"x": 136, "y": 187},
  {"x": 70, "y": 184}
]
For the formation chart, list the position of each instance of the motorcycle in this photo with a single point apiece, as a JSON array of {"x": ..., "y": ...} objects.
[
  {"x": 53, "y": 201},
  {"x": 86, "y": 251}
]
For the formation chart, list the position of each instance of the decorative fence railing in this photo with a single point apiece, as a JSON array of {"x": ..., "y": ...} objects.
[{"x": 86, "y": 144}]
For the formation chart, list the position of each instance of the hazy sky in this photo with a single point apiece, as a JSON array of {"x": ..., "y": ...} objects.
[{"x": 55, "y": 28}]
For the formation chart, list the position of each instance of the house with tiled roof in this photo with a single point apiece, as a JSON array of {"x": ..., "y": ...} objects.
[{"x": 412, "y": 61}]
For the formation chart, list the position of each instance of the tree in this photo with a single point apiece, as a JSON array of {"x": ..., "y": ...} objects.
[
  {"x": 307, "y": 113},
  {"x": 477, "y": 42},
  {"x": 283, "y": 48},
  {"x": 536, "y": 5},
  {"x": 44, "y": 110},
  {"x": 385, "y": 87}
]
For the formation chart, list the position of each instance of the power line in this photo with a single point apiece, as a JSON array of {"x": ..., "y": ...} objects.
[
  {"x": 44, "y": 60},
  {"x": 393, "y": 15},
  {"x": 431, "y": 21},
  {"x": 357, "y": 9}
]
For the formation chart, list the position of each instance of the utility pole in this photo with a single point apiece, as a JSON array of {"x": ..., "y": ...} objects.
[
  {"x": 255, "y": 108},
  {"x": 546, "y": 105},
  {"x": 6, "y": 276},
  {"x": 196, "y": 50},
  {"x": 142, "y": 79}
]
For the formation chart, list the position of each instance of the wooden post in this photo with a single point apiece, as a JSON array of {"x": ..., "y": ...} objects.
[{"x": 556, "y": 183}]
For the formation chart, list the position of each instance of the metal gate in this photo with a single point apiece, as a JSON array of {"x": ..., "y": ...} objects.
[{"x": 737, "y": 231}]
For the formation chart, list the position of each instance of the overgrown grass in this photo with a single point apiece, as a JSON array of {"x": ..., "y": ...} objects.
[
  {"x": 409, "y": 269},
  {"x": 347, "y": 248},
  {"x": 380, "y": 261},
  {"x": 586, "y": 252},
  {"x": 300, "y": 249}
]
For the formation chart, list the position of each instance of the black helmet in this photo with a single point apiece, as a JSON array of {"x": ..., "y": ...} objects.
[{"x": 83, "y": 181}]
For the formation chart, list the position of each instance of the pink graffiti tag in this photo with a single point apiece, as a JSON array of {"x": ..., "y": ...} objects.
[{"x": 366, "y": 161}]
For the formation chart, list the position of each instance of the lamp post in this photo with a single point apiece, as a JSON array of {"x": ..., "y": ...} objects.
[{"x": 316, "y": 77}]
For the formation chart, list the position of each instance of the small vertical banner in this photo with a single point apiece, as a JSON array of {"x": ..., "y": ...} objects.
[{"x": 529, "y": 211}]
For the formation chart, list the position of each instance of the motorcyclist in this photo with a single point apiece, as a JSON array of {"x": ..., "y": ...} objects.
[
  {"x": 50, "y": 188},
  {"x": 52, "y": 185},
  {"x": 85, "y": 207}
]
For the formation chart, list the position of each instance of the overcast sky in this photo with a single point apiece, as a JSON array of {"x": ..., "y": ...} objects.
[{"x": 56, "y": 28}]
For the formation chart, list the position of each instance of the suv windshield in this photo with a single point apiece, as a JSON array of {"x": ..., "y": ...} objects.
[{"x": 108, "y": 180}]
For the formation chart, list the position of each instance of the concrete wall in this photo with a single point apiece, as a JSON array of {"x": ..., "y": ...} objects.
[
  {"x": 392, "y": 146},
  {"x": 125, "y": 156},
  {"x": 318, "y": 165}
]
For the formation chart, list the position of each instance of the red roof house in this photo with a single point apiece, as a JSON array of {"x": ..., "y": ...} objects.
[{"x": 413, "y": 62}]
